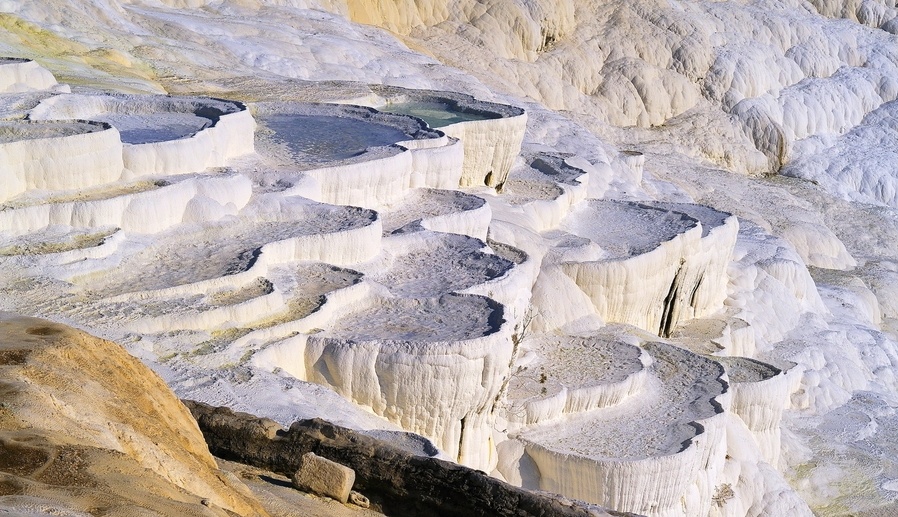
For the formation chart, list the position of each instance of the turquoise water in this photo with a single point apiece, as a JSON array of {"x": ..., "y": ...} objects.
[
  {"x": 436, "y": 114},
  {"x": 329, "y": 138}
]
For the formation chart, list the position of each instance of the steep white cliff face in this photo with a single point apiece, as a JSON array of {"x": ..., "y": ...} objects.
[
  {"x": 578, "y": 300},
  {"x": 662, "y": 254},
  {"x": 760, "y": 394},
  {"x": 437, "y": 375}
]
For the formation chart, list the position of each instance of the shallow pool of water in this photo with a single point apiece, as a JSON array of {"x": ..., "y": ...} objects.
[
  {"x": 15, "y": 130},
  {"x": 155, "y": 127},
  {"x": 330, "y": 138},
  {"x": 436, "y": 114}
]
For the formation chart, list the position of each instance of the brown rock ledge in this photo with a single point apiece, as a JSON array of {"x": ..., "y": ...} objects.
[
  {"x": 397, "y": 482},
  {"x": 85, "y": 428}
]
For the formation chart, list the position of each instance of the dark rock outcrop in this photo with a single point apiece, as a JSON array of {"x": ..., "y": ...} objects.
[{"x": 396, "y": 481}]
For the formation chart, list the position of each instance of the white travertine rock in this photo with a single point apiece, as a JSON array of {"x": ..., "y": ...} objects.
[
  {"x": 513, "y": 288},
  {"x": 433, "y": 366},
  {"x": 369, "y": 184},
  {"x": 436, "y": 163},
  {"x": 652, "y": 275},
  {"x": 540, "y": 195},
  {"x": 57, "y": 156},
  {"x": 158, "y": 139},
  {"x": 750, "y": 87},
  {"x": 324, "y": 477},
  {"x": 154, "y": 207},
  {"x": 573, "y": 375},
  {"x": 710, "y": 265},
  {"x": 214, "y": 146},
  {"x": 226, "y": 255},
  {"x": 559, "y": 302},
  {"x": 490, "y": 133},
  {"x": 490, "y": 148},
  {"x": 405, "y": 267},
  {"x": 760, "y": 394},
  {"x": 635, "y": 161},
  {"x": 373, "y": 164},
  {"x": 767, "y": 268},
  {"x": 855, "y": 164},
  {"x": 21, "y": 75},
  {"x": 242, "y": 313},
  {"x": 607, "y": 457},
  {"x": 285, "y": 341},
  {"x": 747, "y": 485},
  {"x": 447, "y": 211}
]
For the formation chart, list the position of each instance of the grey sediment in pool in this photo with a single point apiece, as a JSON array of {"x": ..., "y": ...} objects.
[
  {"x": 451, "y": 317},
  {"x": 330, "y": 137},
  {"x": 435, "y": 113},
  {"x": 16, "y": 130},
  {"x": 155, "y": 127}
]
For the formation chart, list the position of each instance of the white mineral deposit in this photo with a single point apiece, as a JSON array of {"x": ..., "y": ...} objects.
[{"x": 639, "y": 253}]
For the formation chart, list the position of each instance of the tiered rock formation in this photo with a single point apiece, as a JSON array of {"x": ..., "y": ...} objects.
[{"x": 462, "y": 282}]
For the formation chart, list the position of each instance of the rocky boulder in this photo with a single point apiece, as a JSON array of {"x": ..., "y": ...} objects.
[{"x": 86, "y": 428}]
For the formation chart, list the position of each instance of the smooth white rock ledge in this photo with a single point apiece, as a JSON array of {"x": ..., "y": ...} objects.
[
  {"x": 447, "y": 211},
  {"x": 57, "y": 156},
  {"x": 388, "y": 154},
  {"x": 566, "y": 375},
  {"x": 655, "y": 454},
  {"x": 150, "y": 207},
  {"x": 227, "y": 134},
  {"x": 23, "y": 75}
]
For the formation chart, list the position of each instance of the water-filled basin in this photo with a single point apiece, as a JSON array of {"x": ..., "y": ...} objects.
[
  {"x": 330, "y": 138},
  {"x": 155, "y": 127},
  {"x": 437, "y": 114}
]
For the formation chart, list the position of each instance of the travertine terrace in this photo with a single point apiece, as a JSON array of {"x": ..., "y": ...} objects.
[{"x": 637, "y": 253}]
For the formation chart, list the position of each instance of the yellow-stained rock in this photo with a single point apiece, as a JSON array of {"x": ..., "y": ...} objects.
[{"x": 84, "y": 425}]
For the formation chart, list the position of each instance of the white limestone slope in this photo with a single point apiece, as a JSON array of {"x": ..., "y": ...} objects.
[{"x": 853, "y": 165}]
